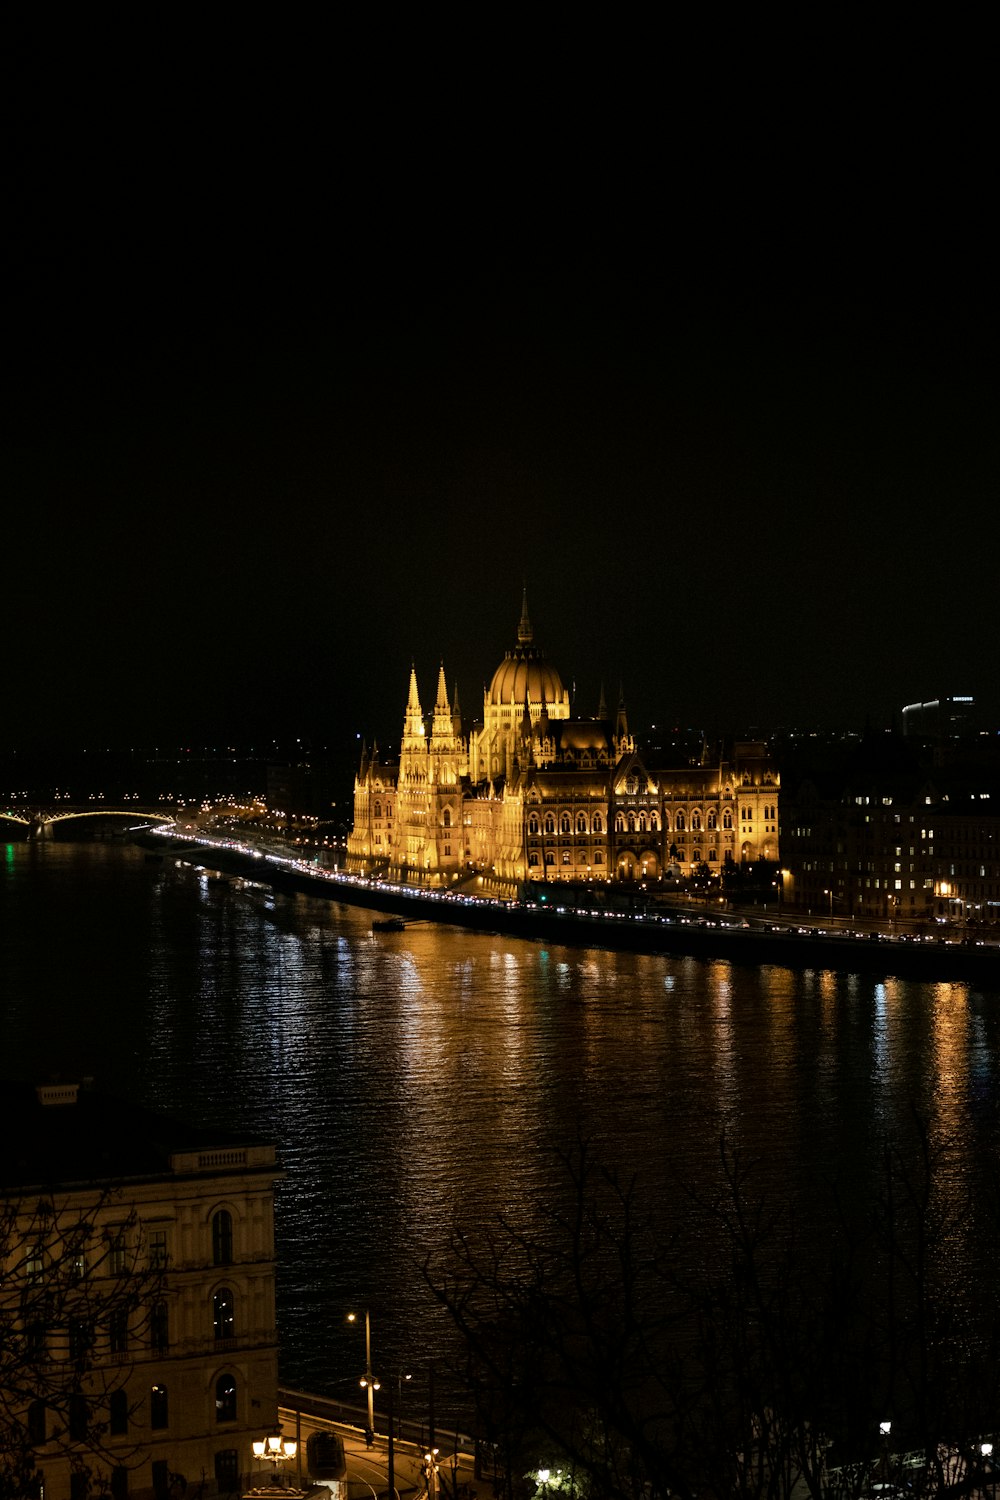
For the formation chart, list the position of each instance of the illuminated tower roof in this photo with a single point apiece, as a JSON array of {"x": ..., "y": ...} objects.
[{"x": 524, "y": 674}]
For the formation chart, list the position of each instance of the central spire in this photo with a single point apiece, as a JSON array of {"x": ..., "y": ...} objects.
[{"x": 524, "y": 631}]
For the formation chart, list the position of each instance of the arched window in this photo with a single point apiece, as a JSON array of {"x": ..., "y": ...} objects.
[
  {"x": 118, "y": 1413},
  {"x": 565, "y": 858},
  {"x": 680, "y": 822},
  {"x": 36, "y": 1423},
  {"x": 713, "y": 821},
  {"x": 581, "y": 823},
  {"x": 225, "y": 1399},
  {"x": 598, "y": 823},
  {"x": 727, "y": 819},
  {"x": 598, "y": 857},
  {"x": 224, "y": 1314},
  {"x": 642, "y": 822},
  {"x": 550, "y": 823},
  {"x": 158, "y": 1407},
  {"x": 564, "y": 823},
  {"x": 378, "y": 809},
  {"x": 631, "y": 822},
  {"x": 696, "y": 822},
  {"x": 533, "y": 823},
  {"x": 446, "y": 817},
  {"x": 222, "y": 1238},
  {"x": 654, "y": 822},
  {"x": 619, "y": 823},
  {"x": 79, "y": 1418}
]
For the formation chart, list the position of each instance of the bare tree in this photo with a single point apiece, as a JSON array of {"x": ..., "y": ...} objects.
[
  {"x": 76, "y": 1299},
  {"x": 754, "y": 1367}
]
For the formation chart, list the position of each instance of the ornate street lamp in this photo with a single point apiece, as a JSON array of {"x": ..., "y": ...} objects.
[{"x": 275, "y": 1449}]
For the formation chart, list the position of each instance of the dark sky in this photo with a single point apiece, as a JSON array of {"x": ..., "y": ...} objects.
[{"x": 313, "y": 361}]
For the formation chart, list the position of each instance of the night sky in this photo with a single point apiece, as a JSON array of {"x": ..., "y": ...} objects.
[{"x": 314, "y": 360}]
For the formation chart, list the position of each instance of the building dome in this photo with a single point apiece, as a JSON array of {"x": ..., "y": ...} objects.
[{"x": 524, "y": 674}]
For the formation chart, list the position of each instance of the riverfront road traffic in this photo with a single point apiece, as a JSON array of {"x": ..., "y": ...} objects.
[
  {"x": 450, "y": 1473},
  {"x": 757, "y": 941}
]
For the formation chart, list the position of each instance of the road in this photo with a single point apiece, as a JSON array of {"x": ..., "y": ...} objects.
[{"x": 367, "y": 1475}]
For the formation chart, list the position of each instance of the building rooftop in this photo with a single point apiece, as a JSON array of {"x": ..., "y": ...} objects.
[{"x": 68, "y": 1135}]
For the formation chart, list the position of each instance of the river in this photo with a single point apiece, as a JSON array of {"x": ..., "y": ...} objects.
[{"x": 429, "y": 1079}]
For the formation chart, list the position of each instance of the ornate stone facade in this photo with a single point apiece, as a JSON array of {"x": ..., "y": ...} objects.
[{"x": 536, "y": 794}]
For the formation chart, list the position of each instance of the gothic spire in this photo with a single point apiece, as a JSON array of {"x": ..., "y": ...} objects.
[
  {"x": 441, "y": 706},
  {"x": 524, "y": 631}
]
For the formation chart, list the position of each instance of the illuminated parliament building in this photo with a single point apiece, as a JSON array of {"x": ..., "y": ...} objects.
[{"x": 535, "y": 793}]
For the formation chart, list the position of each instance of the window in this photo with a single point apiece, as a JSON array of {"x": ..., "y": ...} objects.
[
  {"x": 565, "y": 858},
  {"x": 116, "y": 1252},
  {"x": 598, "y": 858},
  {"x": 79, "y": 1485},
  {"x": 119, "y": 1483},
  {"x": 227, "y": 1470},
  {"x": 581, "y": 823},
  {"x": 34, "y": 1264},
  {"x": 712, "y": 820},
  {"x": 446, "y": 817},
  {"x": 157, "y": 1248},
  {"x": 222, "y": 1238},
  {"x": 118, "y": 1413},
  {"x": 223, "y": 1314},
  {"x": 598, "y": 823},
  {"x": 225, "y": 1399},
  {"x": 158, "y": 1407},
  {"x": 81, "y": 1340},
  {"x": 118, "y": 1331},
  {"x": 564, "y": 824},
  {"x": 79, "y": 1418},
  {"x": 161, "y": 1476},
  {"x": 696, "y": 822},
  {"x": 533, "y": 823},
  {"x": 727, "y": 819},
  {"x": 159, "y": 1327},
  {"x": 550, "y": 823},
  {"x": 36, "y": 1342},
  {"x": 36, "y": 1423},
  {"x": 679, "y": 825}
]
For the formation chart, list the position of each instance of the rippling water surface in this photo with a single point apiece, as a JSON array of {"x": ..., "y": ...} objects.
[{"x": 422, "y": 1079}]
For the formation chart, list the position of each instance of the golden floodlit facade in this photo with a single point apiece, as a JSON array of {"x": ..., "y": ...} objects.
[{"x": 533, "y": 794}]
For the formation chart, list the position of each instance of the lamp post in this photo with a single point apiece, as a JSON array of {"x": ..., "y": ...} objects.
[
  {"x": 368, "y": 1381},
  {"x": 884, "y": 1430},
  {"x": 431, "y": 1467}
]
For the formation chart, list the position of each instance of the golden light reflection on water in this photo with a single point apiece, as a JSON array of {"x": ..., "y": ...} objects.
[{"x": 419, "y": 1079}]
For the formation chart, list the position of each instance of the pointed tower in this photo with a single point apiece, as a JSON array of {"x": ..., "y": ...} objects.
[
  {"x": 625, "y": 744},
  {"x": 411, "y": 792}
]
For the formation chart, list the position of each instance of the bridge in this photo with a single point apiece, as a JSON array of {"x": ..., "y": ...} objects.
[{"x": 40, "y": 820}]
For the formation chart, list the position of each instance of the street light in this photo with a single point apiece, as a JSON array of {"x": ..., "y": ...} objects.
[
  {"x": 369, "y": 1382},
  {"x": 276, "y": 1449}
]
